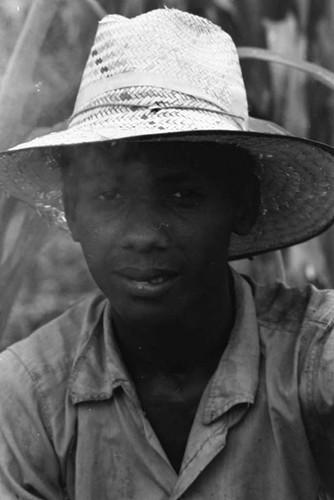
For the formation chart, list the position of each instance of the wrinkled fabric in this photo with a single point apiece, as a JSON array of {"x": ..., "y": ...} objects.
[{"x": 71, "y": 424}]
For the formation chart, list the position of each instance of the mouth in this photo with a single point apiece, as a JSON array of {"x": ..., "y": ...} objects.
[
  {"x": 154, "y": 281},
  {"x": 147, "y": 283}
]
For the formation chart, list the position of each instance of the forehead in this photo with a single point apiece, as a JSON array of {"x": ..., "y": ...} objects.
[{"x": 159, "y": 159}]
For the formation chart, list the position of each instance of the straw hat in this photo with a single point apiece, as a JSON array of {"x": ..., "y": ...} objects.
[{"x": 168, "y": 75}]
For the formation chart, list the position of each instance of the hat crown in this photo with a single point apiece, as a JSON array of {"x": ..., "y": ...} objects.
[{"x": 165, "y": 47}]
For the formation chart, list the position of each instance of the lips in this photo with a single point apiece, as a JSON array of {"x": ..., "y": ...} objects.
[
  {"x": 147, "y": 274},
  {"x": 147, "y": 282},
  {"x": 156, "y": 280}
]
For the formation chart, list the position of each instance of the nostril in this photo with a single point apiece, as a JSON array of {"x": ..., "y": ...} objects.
[{"x": 144, "y": 237}]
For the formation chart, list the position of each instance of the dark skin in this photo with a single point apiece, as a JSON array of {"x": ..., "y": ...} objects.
[{"x": 154, "y": 224}]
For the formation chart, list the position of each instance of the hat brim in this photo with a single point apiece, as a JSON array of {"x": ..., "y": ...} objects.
[{"x": 296, "y": 177}]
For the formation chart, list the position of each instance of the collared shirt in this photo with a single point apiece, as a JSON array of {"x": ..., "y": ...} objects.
[{"x": 71, "y": 424}]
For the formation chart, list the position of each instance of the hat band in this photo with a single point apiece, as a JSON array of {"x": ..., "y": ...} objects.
[{"x": 137, "y": 79}]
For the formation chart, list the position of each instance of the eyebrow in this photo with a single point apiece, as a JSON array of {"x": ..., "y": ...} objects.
[
  {"x": 97, "y": 174},
  {"x": 177, "y": 176}
]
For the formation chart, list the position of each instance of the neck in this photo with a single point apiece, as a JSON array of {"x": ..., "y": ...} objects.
[{"x": 197, "y": 339}]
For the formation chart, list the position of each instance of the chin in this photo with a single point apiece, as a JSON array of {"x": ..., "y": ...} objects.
[
  {"x": 144, "y": 315},
  {"x": 143, "y": 311}
]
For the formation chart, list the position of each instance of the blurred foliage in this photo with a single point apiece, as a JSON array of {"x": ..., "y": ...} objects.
[{"x": 42, "y": 271}]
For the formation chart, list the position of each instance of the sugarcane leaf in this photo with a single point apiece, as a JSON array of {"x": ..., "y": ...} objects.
[
  {"x": 265, "y": 127},
  {"x": 319, "y": 73},
  {"x": 226, "y": 5},
  {"x": 19, "y": 73},
  {"x": 99, "y": 11}
]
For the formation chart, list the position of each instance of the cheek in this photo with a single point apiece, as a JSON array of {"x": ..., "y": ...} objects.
[
  {"x": 206, "y": 241},
  {"x": 95, "y": 239},
  {"x": 213, "y": 228}
]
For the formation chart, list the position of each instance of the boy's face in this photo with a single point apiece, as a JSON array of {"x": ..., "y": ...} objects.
[{"x": 154, "y": 229}]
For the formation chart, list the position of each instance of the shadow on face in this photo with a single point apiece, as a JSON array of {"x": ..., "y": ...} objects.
[
  {"x": 230, "y": 166},
  {"x": 154, "y": 219}
]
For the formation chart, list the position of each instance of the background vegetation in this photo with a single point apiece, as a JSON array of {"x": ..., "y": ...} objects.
[{"x": 43, "y": 48}]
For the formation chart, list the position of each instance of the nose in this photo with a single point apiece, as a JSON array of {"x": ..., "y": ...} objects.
[{"x": 145, "y": 228}]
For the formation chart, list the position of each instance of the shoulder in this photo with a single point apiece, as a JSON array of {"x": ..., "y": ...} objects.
[
  {"x": 45, "y": 358},
  {"x": 59, "y": 338},
  {"x": 290, "y": 308},
  {"x": 294, "y": 325}
]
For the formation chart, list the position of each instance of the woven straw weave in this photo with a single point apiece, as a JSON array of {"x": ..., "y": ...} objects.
[{"x": 174, "y": 45}]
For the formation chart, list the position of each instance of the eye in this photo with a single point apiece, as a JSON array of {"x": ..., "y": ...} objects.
[
  {"x": 110, "y": 195},
  {"x": 187, "y": 197}
]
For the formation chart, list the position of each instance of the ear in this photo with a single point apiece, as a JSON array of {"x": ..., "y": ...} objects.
[{"x": 247, "y": 207}]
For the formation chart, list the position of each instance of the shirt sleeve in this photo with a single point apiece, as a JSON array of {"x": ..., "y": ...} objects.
[
  {"x": 317, "y": 398},
  {"x": 29, "y": 468}
]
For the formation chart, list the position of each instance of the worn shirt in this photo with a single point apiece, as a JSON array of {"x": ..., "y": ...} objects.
[{"x": 71, "y": 424}]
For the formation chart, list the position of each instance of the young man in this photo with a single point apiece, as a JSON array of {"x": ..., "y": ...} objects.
[{"x": 181, "y": 379}]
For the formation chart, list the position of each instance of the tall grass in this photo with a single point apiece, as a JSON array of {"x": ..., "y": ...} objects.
[{"x": 41, "y": 270}]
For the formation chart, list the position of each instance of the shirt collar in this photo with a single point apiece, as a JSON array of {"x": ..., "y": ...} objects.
[
  {"x": 237, "y": 376},
  {"x": 98, "y": 368}
]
